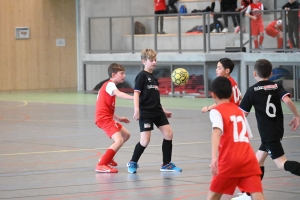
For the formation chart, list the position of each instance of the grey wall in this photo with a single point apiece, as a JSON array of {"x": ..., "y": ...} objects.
[{"x": 104, "y": 8}]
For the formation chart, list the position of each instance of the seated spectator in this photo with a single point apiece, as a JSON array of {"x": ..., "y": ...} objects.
[
  {"x": 171, "y": 7},
  {"x": 216, "y": 24}
]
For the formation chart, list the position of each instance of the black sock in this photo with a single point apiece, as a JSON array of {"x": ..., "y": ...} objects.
[
  {"x": 262, "y": 168},
  {"x": 138, "y": 151},
  {"x": 293, "y": 167},
  {"x": 167, "y": 151}
]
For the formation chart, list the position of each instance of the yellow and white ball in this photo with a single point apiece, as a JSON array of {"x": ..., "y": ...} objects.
[{"x": 180, "y": 76}]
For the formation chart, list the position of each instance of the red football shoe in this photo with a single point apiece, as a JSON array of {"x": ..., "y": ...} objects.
[{"x": 105, "y": 169}]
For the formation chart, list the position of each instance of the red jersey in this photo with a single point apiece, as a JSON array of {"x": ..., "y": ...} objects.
[
  {"x": 105, "y": 105},
  {"x": 253, "y": 8},
  {"x": 274, "y": 23},
  {"x": 235, "y": 97},
  {"x": 236, "y": 156},
  {"x": 273, "y": 29},
  {"x": 159, "y": 5}
]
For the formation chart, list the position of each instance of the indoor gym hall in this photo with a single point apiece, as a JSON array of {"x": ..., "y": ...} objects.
[{"x": 50, "y": 147}]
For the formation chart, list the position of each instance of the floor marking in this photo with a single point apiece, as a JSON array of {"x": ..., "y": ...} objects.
[
  {"x": 125, "y": 147},
  {"x": 25, "y": 103}
]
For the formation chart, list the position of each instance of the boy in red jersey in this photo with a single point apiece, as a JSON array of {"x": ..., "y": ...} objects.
[
  {"x": 224, "y": 68},
  {"x": 233, "y": 161},
  {"x": 106, "y": 119},
  {"x": 159, "y": 9},
  {"x": 257, "y": 25},
  {"x": 274, "y": 29}
]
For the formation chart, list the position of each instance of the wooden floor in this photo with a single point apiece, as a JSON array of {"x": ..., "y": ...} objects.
[{"x": 50, "y": 146}]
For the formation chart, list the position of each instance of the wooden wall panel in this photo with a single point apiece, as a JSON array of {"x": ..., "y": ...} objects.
[{"x": 37, "y": 63}]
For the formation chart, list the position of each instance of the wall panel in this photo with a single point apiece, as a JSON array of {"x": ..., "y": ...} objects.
[{"x": 37, "y": 63}]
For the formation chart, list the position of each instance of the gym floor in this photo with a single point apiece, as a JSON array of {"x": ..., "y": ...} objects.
[{"x": 50, "y": 147}]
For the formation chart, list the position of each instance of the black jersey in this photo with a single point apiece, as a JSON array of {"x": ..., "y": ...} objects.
[
  {"x": 150, "y": 105},
  {"x": 265, "y": 97},
  {"x": 292, "y": 15}
]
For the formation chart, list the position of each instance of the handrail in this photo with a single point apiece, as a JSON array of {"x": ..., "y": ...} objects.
[{"x": 206, "y": 35}]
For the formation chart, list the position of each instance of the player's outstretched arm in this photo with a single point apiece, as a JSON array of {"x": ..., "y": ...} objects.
[
  {"x": 208, "y": 108},
  {"x": 122, "y": 95},
  {"x": 290, "y": 104},
  {"x": 121, "y": 119}
]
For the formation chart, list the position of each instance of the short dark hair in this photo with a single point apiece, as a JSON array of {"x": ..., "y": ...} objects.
[
  {"x": 227, "y": 63},
  {"x": 263, "y": 68},
  {"x": 221, "y": 87},
  {"x": 114, "y": 68}
]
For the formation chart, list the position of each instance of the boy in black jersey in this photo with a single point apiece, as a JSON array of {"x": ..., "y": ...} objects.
[
  {"x": 266, "y": 96},
  {"x": 148, "y": 110}
]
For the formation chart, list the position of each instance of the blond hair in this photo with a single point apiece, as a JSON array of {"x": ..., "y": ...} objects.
[{"x": 148, "y": 54}]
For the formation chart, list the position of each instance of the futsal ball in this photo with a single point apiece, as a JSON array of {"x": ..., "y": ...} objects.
[{"x": 180, "y": 76}]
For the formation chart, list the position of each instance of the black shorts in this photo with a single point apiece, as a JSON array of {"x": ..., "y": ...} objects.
[
  {"x": 146, "y": 124},
  {"x": 160, "y": 12},
  {"x": 274, "y": 149}
]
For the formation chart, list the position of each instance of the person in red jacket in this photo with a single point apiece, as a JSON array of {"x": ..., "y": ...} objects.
[{"x": 160, "y": 9}]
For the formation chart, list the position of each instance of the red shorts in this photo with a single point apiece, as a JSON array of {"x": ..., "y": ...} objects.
[
  {"x": 257, "y": 27},
  {"x": 272, "y": 31},
  {"x": 110, "y": 127},
  {"x": 225, "y": 185}
]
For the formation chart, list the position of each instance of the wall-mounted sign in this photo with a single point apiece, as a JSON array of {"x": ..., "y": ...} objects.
[
  {"x": 22, "y": 33},
  {"x": 60, "y": 42}
]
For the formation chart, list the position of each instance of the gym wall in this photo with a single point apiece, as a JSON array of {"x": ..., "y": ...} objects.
[{"x": 37, "y": 63}]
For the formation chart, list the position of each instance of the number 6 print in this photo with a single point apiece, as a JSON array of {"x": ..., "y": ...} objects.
[{"x": 268, "y": 107}]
